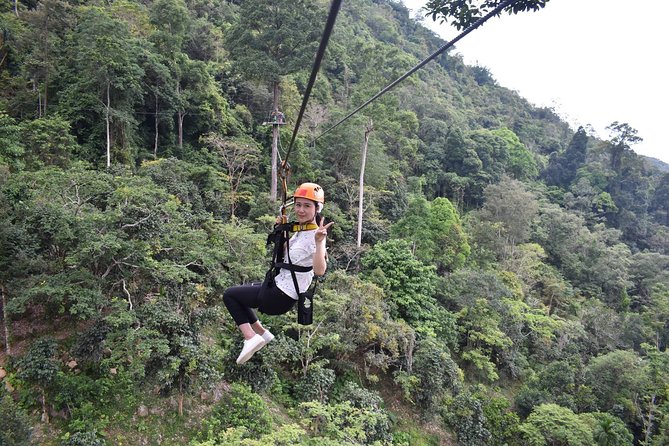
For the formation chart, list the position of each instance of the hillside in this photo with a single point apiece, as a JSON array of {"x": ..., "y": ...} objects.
[{"x": 511, "y": 286}]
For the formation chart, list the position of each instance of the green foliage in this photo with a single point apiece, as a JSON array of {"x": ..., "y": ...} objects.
[
  {"x": 11, "y": 147},
  {"x": 462, "y": 14},
  {"x": 552, "y": 424},
  {"x": 563, "y": 167},
  {"x": 285, "y": 435},
  {"x": 272, "y": 39},
  {"x": 501, "y": 421},
  {"x": 408, "y": 283},
  {"x": 357, "y": 313},
  {"x": 482, "y": 337},
  {"x": 240, "y": 407},
  {"x": 48, "y": 141},
  {"x": 15, "y": 422},
  {"x": 615, "y": 378},
  {"x": 521, "y": 164},
  {"x": 437, "y": 375},
  {"x": 464, "y": 413},
  {"x": 84, "y": 439},
  {"x": 102, "y": 83},
  {"x": 342, "y": 422},
  {"x": 315, "y": 385},
  {"x": 435, "y": 231},
  {"x": 39, "y": 366},
  {"x": 608, "y": 430}
]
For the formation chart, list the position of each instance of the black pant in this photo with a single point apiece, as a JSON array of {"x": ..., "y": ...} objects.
[{"x": 240, "y": 301}]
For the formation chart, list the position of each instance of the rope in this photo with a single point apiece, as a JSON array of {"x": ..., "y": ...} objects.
[
  {"x": 475, "y": 25},
  {"x": 334, "y": 10}
]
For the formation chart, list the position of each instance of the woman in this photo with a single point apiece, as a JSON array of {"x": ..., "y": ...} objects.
[{"x": 306, "y": 249}]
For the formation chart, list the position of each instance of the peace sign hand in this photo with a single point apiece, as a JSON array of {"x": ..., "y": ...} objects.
[{"x": 322, "y": 231}]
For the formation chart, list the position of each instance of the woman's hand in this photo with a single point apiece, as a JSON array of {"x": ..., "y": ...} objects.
[
  {"x": 322, "y": 231},
  {"x": 320, "y": 256}
]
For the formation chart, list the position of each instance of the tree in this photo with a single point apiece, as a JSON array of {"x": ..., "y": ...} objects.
[
  {"x": 521, "y": 164},
  {"x": 49, "y": 22},
  {"x": 622, "y": 137},
  {"x": 368, "y": 130},
  {"x": 562, "y": 167},
  {"x": 655, "y": 393},
  {"x": 11, "y": 148},
  {"x": 48, "y": 141},
  {"x": 465, "y": 414},
  {"x": 462, "y": 14},
  {"x": 39, "y": 368},
  {"x": 608, "y": 430},
  {"x": 15, "y": 423},
  {"x": 482, "y": 338},
  {"x": 239, "y": 157},
  {"x": 511, "y": 205},
  {"x": 408, "y": 283},
  {"x": 659, "y": 206},
  {"x": 550, "y": 424},
  {"x": 435, "y": 231},
  {"x": 615, "y": 379},
  {"x": 273, "y": 39},
  {"x": 102, "y": 83}
]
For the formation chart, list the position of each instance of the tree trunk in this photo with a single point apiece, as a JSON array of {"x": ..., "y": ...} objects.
[
  {"x": 181, "y": 396},
  {"x": 181, "y": 117},
  {"x": 180, "y": 120},
  {"x": 5, "y": 320},
  {"x": 16, "y": 7},
  {"x": 155, "y": 141},
  {"x": 368, "y": 130},
  {"x": 648, "y": 422},
  {"x": 108, "y": 127},
  {"x": 46, "y": 86},
  {"x": 45, "y": 411},
  {"x": 36, "y": 88},
  {"x": 275, "y": 145}
]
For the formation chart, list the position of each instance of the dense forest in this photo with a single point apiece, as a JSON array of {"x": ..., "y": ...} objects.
[{"x": 510, "y": 285}]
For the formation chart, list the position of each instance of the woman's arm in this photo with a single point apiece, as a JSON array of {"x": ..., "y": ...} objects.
[{"x": 320, "y": 256}]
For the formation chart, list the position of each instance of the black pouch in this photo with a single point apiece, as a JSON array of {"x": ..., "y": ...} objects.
[
  {"x": 267, "y": 284},
  {"x": 305, "y": 307}
]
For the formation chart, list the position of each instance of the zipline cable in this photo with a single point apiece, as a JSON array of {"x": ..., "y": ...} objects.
[
  {"x": 334, "y": 10},
  {"x": 447, "y": 45}
]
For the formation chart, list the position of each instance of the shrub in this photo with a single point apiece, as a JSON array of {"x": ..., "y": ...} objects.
[
  {"x": 15, "y": 424},
  {"x": 241, "y": 407}
]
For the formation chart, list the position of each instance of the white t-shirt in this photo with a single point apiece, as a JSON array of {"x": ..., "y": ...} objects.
[{"x": 302, "y": 248}]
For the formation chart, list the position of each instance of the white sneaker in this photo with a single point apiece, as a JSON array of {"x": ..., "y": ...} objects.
[
  {"x": 267, "y": 336},
  {"x": 250, "y": 347}
]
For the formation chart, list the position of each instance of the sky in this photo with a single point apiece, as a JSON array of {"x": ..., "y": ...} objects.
[{"x": 593, "y": 61}]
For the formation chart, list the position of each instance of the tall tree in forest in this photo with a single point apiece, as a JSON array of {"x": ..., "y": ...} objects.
[
  {"x": 102, "y": 82},
  {"x": 515, "y": 208},
  {"x": 11, "y": 147},
  {"x": 39, "y": 368},
  {"x": 239, "y": 157},
  {"x": 659, "y": 206},
  {"x": 435, "y": 231},
  {"x": 48, "y": 24},
  {"x": 622, "y": 137},
  {"x": 274, "y": 38},
  {"x": 363, "y": 160},
  {"x": 562, "y": 167},
  {"x": 630, "y": 186}
]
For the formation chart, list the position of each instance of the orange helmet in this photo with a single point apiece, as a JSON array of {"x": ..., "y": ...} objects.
[{"x": 311, "y": 191}]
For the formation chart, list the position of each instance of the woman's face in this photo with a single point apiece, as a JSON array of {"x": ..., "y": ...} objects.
[{"x": 305, "y": 210}]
